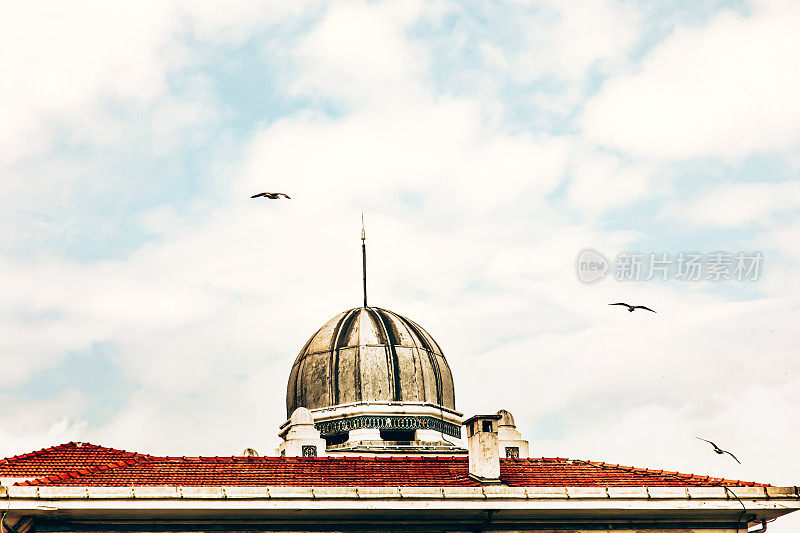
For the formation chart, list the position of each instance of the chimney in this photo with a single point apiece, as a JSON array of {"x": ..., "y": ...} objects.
[{"x": 482, "y": 444}]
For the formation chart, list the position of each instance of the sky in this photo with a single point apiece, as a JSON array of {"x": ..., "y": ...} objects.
[{"x": 149, "y": 304}]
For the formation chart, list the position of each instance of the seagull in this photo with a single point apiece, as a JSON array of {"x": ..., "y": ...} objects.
[
  {"x": 272, "y": 195},
  {"x": 632, "y": 307},
  {"x": 719, "y": 450}
]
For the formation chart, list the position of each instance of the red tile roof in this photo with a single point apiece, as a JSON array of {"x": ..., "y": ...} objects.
[
  {"x": 63, "y": 458},
  {"x": 70, "y": 464}
]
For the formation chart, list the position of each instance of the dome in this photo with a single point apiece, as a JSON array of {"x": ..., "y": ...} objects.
[
  {"x": 368, "y": 354},
  {"x": 302, "y": 416},
  {"x": 506, "y": 418}
]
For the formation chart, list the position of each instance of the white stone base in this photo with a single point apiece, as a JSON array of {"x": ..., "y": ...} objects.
[
  {"x": 364, "y": 434},
  {"x": 294, "y": 448}
]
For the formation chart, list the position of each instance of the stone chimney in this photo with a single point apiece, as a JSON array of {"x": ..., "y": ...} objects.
[
  {"x": 482, "y": 444},
  {"x": 300, "y": 437}
]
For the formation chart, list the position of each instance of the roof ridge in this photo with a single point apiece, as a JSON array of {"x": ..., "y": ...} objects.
[
  {"x": 26, "y": 455},
  {"x": 115, "y": 450},
  {"x": 81, "y": 472},
  {"x": 678, "y": 476},
  {"x": 263, "y": 458},
  {"x": 66, "y": 445}
]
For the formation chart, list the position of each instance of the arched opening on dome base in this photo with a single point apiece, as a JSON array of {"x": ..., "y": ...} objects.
[
  {"x": 399, "y": 435},
  {"x": 388, "y": 428},
  {"x": 338, "y": 438}
]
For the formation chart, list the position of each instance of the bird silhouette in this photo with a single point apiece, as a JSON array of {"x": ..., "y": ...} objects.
[
  {"x": 272, "y": 195},
  {"x": 719, "y": 450},
  {"x": 631, "y": 308}
]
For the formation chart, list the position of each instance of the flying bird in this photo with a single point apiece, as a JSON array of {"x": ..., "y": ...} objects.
[
  {"x": 272, "y": 195},
  {"x": 632, "y": 307},
  {"x": 719, "y": 450}
]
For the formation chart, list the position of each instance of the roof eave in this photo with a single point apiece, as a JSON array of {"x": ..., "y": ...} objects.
[{"x": 513, "y": 506}]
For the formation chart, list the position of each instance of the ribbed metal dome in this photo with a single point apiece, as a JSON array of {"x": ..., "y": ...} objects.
[{"x": 369, "y": 354}]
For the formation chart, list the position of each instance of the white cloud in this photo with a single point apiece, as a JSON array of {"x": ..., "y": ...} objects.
[
  {"x": 65, "y": 66},
  {"x": 540, "y": 61},
  {"x": 240, "y": 19},
  {"x": 493, "y": 55},
  {"x": 13, "y": 443},
  {"x": 359, "y": 51},
  {"x": 69, "y": 60},
  {"x": 782, "y": 257},
  {"x": 437, "y": 149},
  {"x": 567, "y": 39},
  {"x": 737, "y": 204},
  {"x": 725, "y": 89},
  {"x": 601, "y": 182},
  {"x": 28, "y": 424}
]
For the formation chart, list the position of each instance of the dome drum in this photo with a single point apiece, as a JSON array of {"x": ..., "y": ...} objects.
[{"x": 389, "y": 416}]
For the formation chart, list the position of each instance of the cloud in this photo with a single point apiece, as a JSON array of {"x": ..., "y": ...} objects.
[
  {"x": 532, "y": 73},
  {"x": 725, "y": 89},
  {"x": 439, "y": 149},
  {"x": 358, "y": 51},
  {"x": 69, "y": 68},
  {"x": 567, "y": 39},
  {"x": 79, "y": 58},
  {"x": 737, "y": 204},
  {"x": 601, "y": 182},
  {"x": 28, "y": 424}
]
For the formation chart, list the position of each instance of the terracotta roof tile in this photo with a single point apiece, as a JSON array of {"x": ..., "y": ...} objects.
[
  {"x": 63, "y": 458},
  {"x": 90, "y": 465}
]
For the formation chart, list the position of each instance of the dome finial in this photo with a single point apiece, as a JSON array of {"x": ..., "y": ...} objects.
[{"x": 364, "y": 257}]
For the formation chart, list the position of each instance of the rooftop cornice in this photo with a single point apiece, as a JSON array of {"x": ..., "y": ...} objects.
[
  {"x": 513, "y": 507},
  {"x": 787, "y": 495}
]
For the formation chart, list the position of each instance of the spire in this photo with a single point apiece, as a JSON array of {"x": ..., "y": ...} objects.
[{"x": 364, "y": 257}]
